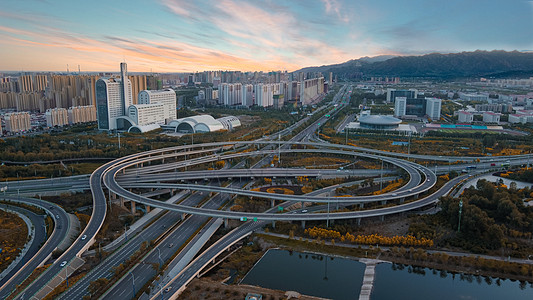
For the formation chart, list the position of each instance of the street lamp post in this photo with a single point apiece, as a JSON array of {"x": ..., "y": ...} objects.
[
  {"x": 381, "y": 179},
  {"x": 460, "y": 212}
]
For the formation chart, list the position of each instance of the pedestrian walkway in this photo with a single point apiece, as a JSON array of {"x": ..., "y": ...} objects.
[{"x": 368, "y": 277}]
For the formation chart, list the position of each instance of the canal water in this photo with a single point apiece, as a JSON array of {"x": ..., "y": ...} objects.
[
  {"x": 340, "y": 278},
  {"x": 307, "y": 273},
  {"x": 422, "y": 283}
]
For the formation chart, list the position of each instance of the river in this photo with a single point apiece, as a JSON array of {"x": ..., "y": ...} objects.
[{"x": 340, "y": 278}]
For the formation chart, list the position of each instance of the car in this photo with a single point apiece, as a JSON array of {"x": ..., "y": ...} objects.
[
  {"x": 84, "y": 237},
  {"x": 171, "y": 245},
  {"x": 64, "y": 263},
  {"x": 304, "y": 211},
  {"x": 168, "y": 289},
  {"x": 57, "y": 217},
  {"x": 394, "y": 194},
  {"x": 51, "y": 207}
]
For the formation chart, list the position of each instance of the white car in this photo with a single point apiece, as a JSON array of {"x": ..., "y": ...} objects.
[
  {"x": 304, "y": 211},
  {"x": 84, "y": 237},
  {"x": 64, "y": 263}
]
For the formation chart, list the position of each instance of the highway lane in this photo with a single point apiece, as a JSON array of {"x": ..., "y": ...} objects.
[
  {"x": 144, "y": 271},
  {"x": 104, "y": 269},
  {"x": 179, "y": 283},
  {"x": 79, "y": 245},
  {"x": 411, "y": 168},
  {"x": 61, "y": 227},
  {"x": 236, "y": 173},
  {"x": 37, "y": 186},
  {"x": 39, "y": 226}
]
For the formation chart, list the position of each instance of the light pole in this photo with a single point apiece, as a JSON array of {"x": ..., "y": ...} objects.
[
  {"x": 66, "y": 274},
  {"x": 381, "y": 179},
  {"x": 327, "y": 221},
  {"x": 161, "y": 291},
  {"x": 460, "y": 212}
]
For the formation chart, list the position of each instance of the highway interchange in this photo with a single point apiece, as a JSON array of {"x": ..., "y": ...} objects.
[{"x": 168, "y": 169}]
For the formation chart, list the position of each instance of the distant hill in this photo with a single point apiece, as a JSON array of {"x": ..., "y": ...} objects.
[{"x": 437, "y": 65}]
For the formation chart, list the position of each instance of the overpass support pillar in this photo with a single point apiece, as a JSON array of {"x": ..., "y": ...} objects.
[
  {"x": 148, "y": 208},
  {"x": 303, "y": 205},
  {"x": 273, "y": 224},
  {"x": 303, "y": 224},
  {"x": 133, "y": 208},
  {"x": 226, "y": 222},
  {"x": 182, "y": 217},
  {"x": 272, "y": 203},
  {"x": 122, "y": 204},
  {"x": 383, "y": 202},
  {"x": 361, "y": 205},
  {"x": 382, "y": 218},
  {"x": 358, "y": 221},
  {"x": 403, "y": 199},
  {"x": 415, "y": 196}
]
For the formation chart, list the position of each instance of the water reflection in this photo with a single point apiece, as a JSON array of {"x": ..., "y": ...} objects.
[
  {"x": 397, "y": 281},
  {"x": 308, "y": 273}
]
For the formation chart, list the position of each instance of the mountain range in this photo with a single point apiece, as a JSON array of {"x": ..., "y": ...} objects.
[{"x": 478, "y": 63}]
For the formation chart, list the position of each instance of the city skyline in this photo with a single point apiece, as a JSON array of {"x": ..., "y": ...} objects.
[{"x": 188, "y": 36}]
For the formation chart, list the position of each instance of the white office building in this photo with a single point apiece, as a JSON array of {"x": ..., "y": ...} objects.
[
  {"x": 465, "y": 117},
  {"x": 167, "y": 97},
  {"x": 400, "y": 106},
  {"x": 433, "y": 106},
  {"x": 147, "y": 114},
  {"x": 113, "y": 97},
  {"x": 490, "y": 117}
]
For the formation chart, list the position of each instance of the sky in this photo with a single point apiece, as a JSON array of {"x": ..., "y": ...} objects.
[{"x": 256, "y": 35}]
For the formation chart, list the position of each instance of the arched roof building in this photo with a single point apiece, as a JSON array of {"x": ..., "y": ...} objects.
[
  {"x": 379, "y": 122},
  {"x": 204, "y": 123}
]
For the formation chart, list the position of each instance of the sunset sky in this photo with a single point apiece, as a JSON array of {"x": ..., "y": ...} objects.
[{"x": 192, "y": 35}]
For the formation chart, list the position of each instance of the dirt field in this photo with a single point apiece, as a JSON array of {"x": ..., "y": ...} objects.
[{"x": 207, "y": 289}]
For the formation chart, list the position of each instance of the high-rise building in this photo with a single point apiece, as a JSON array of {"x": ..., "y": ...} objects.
[
  {"x": 310, "y": 90},
  {"x": 138, "y": 84},
  {"x": 167, "y": 97},
  {"x": 433, "y": 106},
  {"x": 111, "y": 103},
  {"x": 147, "y": 114},
  {"x": 264, "y": 95},
  {"x": 400, "y": 106},
  {"x": 393, "y": 93},
  {"x": 56, "y": 117},
  {"x": 81, "y": 114},
  {"x": 247, "y": 94},
  {"x": 17, "y": 121},
  {"x": 230, "y": 94}
]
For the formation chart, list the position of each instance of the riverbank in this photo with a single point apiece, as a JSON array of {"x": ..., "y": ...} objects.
[{"x": 453, "y": 262}]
